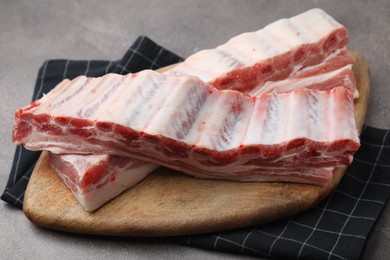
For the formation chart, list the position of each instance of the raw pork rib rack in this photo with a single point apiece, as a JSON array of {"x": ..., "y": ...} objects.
[
  {"x": 184, "y": 124},
  {"x": 325, "y": 63},
  {"x": 273, "y": 53}
]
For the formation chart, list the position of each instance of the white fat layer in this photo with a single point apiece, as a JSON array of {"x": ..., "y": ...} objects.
[
  {"x": 70, "y": 88},
  {"x": 135, "y": 101},
  {"x": 111, "y": 90},
  {"x": 294, "y": 121},
  {"x": 225, "y": 125},
  {"x": 180, "y": 109}
]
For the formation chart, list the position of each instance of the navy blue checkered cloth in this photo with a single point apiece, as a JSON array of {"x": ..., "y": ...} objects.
[{"x": 337, "y": 228}]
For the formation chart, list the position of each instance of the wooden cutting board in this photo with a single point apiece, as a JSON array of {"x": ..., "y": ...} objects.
[{"x": 168, "y": 203}]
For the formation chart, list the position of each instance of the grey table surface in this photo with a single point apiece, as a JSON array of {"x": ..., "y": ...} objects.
[{"x": 33, "y": 31}]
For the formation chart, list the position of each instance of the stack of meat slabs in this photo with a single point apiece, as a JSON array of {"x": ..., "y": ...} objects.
[{"x": 297, "y": 70}]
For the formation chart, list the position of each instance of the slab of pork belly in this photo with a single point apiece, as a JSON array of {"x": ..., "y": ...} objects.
[{"x": 98, "y": 178}]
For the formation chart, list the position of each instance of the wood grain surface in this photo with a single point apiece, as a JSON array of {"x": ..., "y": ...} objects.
[{"x": 169, "y": 203}]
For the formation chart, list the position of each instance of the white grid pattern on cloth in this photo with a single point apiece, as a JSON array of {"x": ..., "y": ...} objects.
[
  {"x": 146, "y": 58},
  {"x": 276, "y": 237},
  {"x": 375, "y": 145},
  {"x": 216, "y": 241},
  {"x": 17, "y": 199},
  {"x": 19, "y": 151},
  {"x": 154, "y": 62},
  {"x": 65, "y": 69},
  {"x": 108, "y": 67},
  {"x": 87, "y": 68},
  {"x": 134, "y": 50},
  {"x": 326, "y": 231},
  {"x": 373, "y": 164},
  {"x": 344, "y": 214},
  {"x": 122, "y": 67},
  {"x": 354, "y": 197},
  {"x": 42, "y": 80},
  {"x": 245, "y": 239},
  {"x": 237, "y": 244},
  {"x": 361, "y": 194},
  {"x": 315, "y": 227},
  {"x": 363, "y": 181},
  {"x": 20, "y": 181},
  {"x": 279, "y": 236},
  {"x": 298, "y": 242}
]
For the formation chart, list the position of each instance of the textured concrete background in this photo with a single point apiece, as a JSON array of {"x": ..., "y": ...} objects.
[{"x": 33, "y": 31}]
